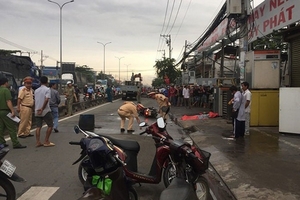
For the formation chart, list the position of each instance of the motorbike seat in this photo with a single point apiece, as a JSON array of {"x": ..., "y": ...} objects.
[
  {"x": 125, "y": 144},
  {"x": 178, "y": 189}
]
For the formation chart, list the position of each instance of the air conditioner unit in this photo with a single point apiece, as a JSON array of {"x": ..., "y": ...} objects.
[{"x": 234, "y": 7}]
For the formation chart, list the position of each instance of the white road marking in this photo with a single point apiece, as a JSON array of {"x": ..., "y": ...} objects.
[
  {"x": 79, "y": 113},
  {"x": 38, "y": 193}
]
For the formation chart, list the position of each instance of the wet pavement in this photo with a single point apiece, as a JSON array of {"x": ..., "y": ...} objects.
[{"x": 264, "y": 165}]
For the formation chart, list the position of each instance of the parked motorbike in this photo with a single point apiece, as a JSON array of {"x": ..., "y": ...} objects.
[
  {"x": 99, "y": 95},
  {"x": 106, "y": 179},
  {"x": 147, "y": 111},
  {"x": 128, "y": 151},
  {"x": 7, "y": 173},
  {"x": 189, "y": 165}
]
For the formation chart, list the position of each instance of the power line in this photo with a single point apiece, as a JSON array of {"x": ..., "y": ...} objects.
[
  {"x": 159, "y": 40},
  {"x": 175, "y": 17},
  {"x": 22, "y": 47}
]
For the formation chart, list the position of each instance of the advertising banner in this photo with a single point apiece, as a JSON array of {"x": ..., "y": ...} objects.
[{"x": 272, "y": 15}]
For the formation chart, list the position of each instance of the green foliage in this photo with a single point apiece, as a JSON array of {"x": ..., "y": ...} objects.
[
  {"x": 166, "y": 67},
  {"x": 157, "y": 82},
  {"x": 8, "y": 52},
  {"x": 85, "y": 70},
  {"x": 271, "y": 42}
]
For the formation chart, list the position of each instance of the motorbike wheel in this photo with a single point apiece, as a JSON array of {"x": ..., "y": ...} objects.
[
  {"x": 7, "y": 189},
  {"x": 132, "y": 194},
  {"x": 202, "y": 188},
  {"x": 82, "y": 174},
  {"x": 169, "y": 174}
]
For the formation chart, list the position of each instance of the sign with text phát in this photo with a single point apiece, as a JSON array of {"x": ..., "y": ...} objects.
[{"x": 272, "y": 15}]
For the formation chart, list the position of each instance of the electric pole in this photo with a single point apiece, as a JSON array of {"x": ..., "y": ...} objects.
[
  {"x": 164, "y": 53},
  {"x": 168, "y": 41}
]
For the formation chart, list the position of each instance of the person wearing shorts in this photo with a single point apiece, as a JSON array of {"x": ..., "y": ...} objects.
[{"x": 43, "y": 112}]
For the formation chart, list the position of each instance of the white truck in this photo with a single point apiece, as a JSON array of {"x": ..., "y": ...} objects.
[{"x": 66, "y": 77}]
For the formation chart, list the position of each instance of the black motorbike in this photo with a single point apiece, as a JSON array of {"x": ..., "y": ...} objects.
[
  {"x": 105, "y": 175},
  {"x": 7, "y": 173}
]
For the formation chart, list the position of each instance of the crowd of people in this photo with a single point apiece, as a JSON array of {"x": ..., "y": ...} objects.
[
  {"x": 28, "y": 102},
  {"x": 45, "y": 100},
  {"x": 188, "y": 95}
]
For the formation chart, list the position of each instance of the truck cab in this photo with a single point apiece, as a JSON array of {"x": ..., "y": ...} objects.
[{"x": 13, "y": 87}]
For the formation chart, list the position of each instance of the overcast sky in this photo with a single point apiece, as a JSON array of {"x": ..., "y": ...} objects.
[{"x": 132, "y": 26}]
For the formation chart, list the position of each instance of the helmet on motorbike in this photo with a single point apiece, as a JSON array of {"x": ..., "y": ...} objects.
[{"x": 101, "y": 154}]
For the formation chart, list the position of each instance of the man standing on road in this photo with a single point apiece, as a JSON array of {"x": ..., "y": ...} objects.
[
  {"x": 109, "y": 93},
  {"x": 238, "y": 107},
  {"x": 128, "y": 110},
  {"x": 54, "y": 102},
  {"x": 70, "y": 94},
  {"x": 247, "y": 96},
  {"x": 186, "y": 96},
  {"x": 5, "y": 122},
  {"x": 42, "y": 97},
  {"x": 163, "y": 103},
  {"x": 24, "y": 107}
]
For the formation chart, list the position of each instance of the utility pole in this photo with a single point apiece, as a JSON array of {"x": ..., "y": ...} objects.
[
  {"x": 43, "y": 58},
  {"x": 243, "y": 41},
  {"x": 168, "y": 41},
  {"x": 127, "y": 71},
  {"x": 119, "y": 67},
  {"x": 222, "y": 60},
  {"x": 164, "y": 53}
]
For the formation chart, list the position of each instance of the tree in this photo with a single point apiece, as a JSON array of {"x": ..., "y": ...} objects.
[
  {"x": 271, "y": 42},
  {"x": 85, "y": 70},
  {"x": 157, "y": 82},
  {"x": 165, "y": 68}
]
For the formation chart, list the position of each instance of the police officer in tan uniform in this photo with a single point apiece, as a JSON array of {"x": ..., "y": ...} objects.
[
  {"x": 70, "y": 94},
  {"x": 24, "y": 107},
  {"x": 128, "y": 110},
  {"x": 163, "y": 103}
]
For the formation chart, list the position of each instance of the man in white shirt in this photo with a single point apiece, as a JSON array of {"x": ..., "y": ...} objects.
[
  {"x": 186, "y": 96},
  {"x": 238, "y": 107},
  {"x": 247, "y": 96},
  {"x": 43, "y": 112}
]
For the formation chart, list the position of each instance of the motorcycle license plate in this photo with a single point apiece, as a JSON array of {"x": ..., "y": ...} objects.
[{"x": 8, "y": 168}]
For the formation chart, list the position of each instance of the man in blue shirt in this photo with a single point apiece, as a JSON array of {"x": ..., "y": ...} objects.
[{"x": 90, "y": 91}]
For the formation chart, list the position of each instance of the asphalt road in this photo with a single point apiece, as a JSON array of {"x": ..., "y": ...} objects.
[{"x": 49, "y": 171}]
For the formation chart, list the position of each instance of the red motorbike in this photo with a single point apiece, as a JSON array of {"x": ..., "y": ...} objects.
[
  {"x": 163, "y": 165},
  {"x": 128, "y": 150},
  {"x": 147, "y": 111}
]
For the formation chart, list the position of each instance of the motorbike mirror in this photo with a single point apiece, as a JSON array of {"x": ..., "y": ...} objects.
[
  {"x": 161, "y": 122},
  {"x": 142, "y": 124},
  {"x": 76, "y": 129}
]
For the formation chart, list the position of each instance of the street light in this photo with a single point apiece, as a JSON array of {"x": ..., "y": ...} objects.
[
  {"x": 104, "y": 54},
  {"x": 119, "y": 66},
  {"x": 60, "y": 32},
  {"x": 127, "y": 71}
]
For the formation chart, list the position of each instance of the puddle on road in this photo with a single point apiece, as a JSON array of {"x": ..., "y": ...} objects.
[{"x": 263, "y": 142}]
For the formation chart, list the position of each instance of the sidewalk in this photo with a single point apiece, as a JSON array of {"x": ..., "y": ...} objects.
[{"x": 264, "y": 165}]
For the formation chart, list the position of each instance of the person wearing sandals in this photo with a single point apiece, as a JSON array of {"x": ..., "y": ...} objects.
[
  {"x": 24, "y": 107},
  {"x": 43, "y": 112}
]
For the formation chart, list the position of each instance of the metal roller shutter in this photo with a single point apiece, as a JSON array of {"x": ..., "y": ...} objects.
[{"x": 295, "y": 62}]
